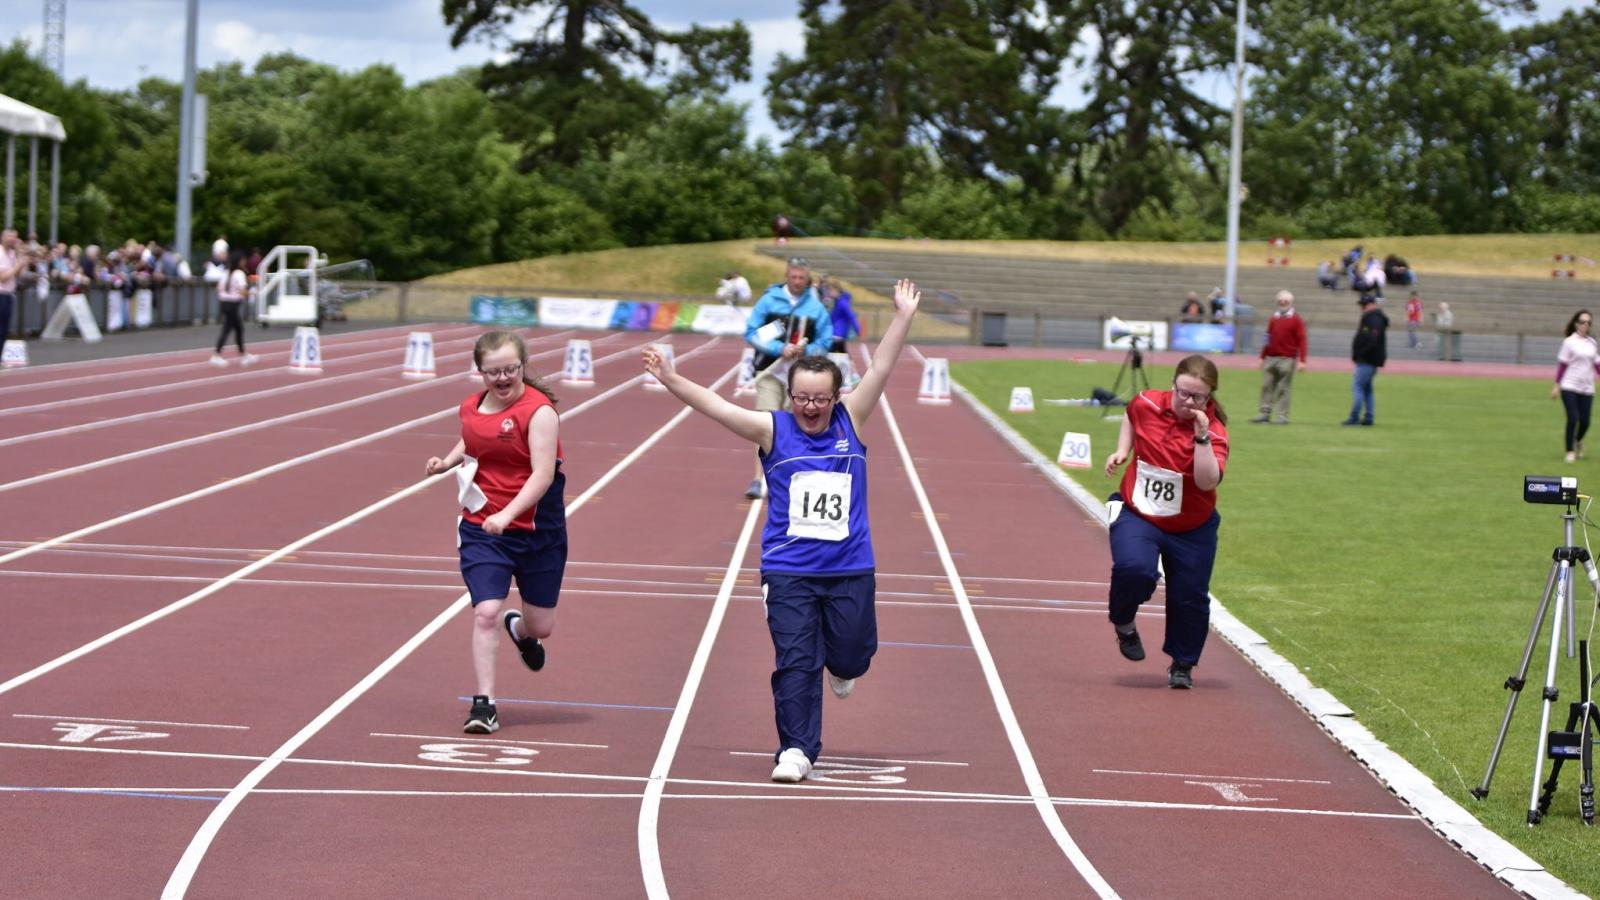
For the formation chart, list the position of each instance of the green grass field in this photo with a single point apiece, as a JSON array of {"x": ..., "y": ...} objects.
[{"x": 1397, "y": 565}]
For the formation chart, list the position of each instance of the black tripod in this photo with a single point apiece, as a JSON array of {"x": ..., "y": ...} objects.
[
  {"x": 1576, "y": 742},
  {"x": 1133, "y": 366},
  {"x": 1559, "y": 586}
]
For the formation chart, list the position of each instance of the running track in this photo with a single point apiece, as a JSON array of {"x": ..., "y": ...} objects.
[{"x": 234, "y": 658}]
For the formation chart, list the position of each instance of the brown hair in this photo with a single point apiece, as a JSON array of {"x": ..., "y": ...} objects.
[
  {"x": 1197, "y": 366},
  {"x": 817, "y": 364},
  {"x": 1572, "y": 323},
  {"x": 491, "y": 341}
]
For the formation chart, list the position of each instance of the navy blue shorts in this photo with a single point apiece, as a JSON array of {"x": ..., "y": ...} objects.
[{"x": 537, "y": 559}]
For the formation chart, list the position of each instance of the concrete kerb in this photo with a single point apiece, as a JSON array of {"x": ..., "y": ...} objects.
[{"x": 1445, "y": 816}]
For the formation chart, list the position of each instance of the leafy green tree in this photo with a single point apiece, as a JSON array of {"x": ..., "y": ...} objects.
[
  {"x": 1394, "y": 115},
  {"x": 579, "y": 85},
  {"x": 1556, "y": 62},
  {"x": 882, "y": 84},
  {"x": 87, "y": 150},
  {"x": 1143, "y": 119}
]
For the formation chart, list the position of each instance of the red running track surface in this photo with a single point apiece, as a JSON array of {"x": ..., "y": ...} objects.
[{"x": 211, "y": 712}]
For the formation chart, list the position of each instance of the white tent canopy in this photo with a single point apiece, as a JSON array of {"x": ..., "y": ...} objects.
[{"x": 19, "y": 118}]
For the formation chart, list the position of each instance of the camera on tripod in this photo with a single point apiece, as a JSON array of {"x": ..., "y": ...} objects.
[
  {"x": 1550, "y": 489},
  {"x": 1575, "y": 742}
]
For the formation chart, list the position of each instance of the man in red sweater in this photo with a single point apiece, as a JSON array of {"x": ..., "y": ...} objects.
[{"x": 1281, "y": 355}]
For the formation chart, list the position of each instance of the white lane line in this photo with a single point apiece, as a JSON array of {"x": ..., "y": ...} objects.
[
  {"x": 861, "y": 759},
  {"x": 991, "y": 674},
  {"x": 206, "y": 404},
  {"x": 183, "y": 874},
  {"x": 111, "y": 362},
  {"x": 655, "y": 880},
  {"x": 802, "y": 791},
  {"x": 129, "y": 721},
  {"x": 211, "y": 377},
  {"x": 295, "y": 461},
  {"x": 1212, "y": 777},
  {"x": 246, "y": 428},
  {"x": 178, "y": 882},
  {"x": 713, "y": 567},
  {"x": 207, "y": 579},
  {"x": 458, "y": 739},
  {"x": 784, "y": 796},
  {"x": 285, "y": 550}
]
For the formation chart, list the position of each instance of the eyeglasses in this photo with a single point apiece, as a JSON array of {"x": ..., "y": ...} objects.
[
  {"x": 503, "y": 371},
  {"x": 1190, "y": 396},
  {"x": 1584, "y": 321},
  {"x": 800, "y": 400}
]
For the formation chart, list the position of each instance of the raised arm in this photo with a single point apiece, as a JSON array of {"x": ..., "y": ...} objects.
[
  {"x": 864, "y": 399},
  {"x": 753, "y": 426}
]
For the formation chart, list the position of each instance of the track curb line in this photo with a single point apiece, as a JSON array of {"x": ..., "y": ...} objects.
[{"x": 1444, "y": 815}]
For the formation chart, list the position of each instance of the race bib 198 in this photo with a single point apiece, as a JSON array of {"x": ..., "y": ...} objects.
[
  {"x": 819, "y": 505},
  {"x": 1157, "y": 491}
]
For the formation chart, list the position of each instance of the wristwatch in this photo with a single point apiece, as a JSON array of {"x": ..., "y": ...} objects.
[{"x": 1203, "y": 438}]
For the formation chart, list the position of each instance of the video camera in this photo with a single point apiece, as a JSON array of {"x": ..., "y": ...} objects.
[
  {"x": 1133, "y": 332},
  {"x": 1550, "y": 489}
]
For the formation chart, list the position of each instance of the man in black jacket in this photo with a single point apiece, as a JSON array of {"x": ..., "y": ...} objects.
[{"x": 1369, "y": 350}]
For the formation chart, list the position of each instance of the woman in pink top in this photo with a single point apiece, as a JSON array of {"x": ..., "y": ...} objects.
[{"x": 1575, "y": 367}]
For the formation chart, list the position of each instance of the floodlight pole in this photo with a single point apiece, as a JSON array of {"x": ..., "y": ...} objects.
[
  {"x": 1236, "y": 147},
  {"x": 181, "y": 240}
]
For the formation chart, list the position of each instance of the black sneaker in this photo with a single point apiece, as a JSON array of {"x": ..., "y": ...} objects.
[
  {"x": 1130, "y": 645},
  {"x": 532, "y": 651},
  {"x": 1178, "y": 677},
  {"x": 482, "y": 719}
]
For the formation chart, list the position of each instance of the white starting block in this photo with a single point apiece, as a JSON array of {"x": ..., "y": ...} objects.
[
  {"x": 650, "y": 381},
  {"x": 935, "y": 387},
  {"x": 578, "y": 367},
  {"x": 1074, "y": 451},
  {"x": 306, "y": 357},
  {"x": 1021, "y": 400},
  {"x": 14, "y": 355},
  {"x": 419, "y": 355},
  {"x": 746, "y": 381}
]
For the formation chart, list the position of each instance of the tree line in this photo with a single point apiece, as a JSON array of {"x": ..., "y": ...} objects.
[{"x": 596, "y": 128}]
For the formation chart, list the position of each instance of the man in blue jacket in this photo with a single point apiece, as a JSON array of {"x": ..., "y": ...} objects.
[{"x": 787, "y": 322}]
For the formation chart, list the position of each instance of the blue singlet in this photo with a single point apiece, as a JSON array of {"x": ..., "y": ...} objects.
[{"x": 816, "y": 500}]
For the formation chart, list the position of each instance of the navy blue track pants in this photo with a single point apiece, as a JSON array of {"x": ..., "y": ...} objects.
[
  {"x": 1186, "y": 558},
  {"x": 816, "y": 621}
]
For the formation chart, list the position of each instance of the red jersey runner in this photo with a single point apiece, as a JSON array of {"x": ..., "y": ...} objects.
[
  {"x": 1158, "y": 482},
  {"x": 499, "y": 442}
]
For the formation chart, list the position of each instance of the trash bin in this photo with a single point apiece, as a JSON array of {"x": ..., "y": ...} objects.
[
  {"x": 1449, "y": 345},
  {"x": 992, "y": 329}
]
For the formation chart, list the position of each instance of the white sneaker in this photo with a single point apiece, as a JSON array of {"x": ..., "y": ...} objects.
[
  {"x": 1572, "y": 457},
  {"x": 249, "y": 359},
  {"x": 793, "y": 767},
  {"x": 218, "y": 361},
  {"x": 841, "y": 686}
]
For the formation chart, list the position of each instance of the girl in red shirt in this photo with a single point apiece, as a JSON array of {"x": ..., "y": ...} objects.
[
  {"x": 1166, "y": 509},
  {"x": 513, "y": 513}
]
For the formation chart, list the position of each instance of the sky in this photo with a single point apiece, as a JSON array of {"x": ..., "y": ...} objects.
[{"x": 115, "y": 43}]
